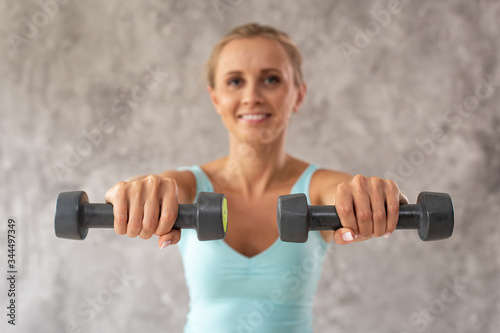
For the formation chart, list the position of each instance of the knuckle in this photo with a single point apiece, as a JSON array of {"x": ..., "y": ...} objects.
[
  {"x": 134, "y": 226},
  {"x": 145, "y": 234},
  {"x": 391, "y": 184},
  {"x": 171, "y": 184},
  {"x": 169, "y": 216},
  {"x": 376, "y": 183},
  {"x": 343, "y": 187},
  {"x": 152, "y": 180},
  {"x": 364, "y": 215},
  {"x": 359, "y": 178},
  {"x": 359, "y": 182},
  {"x": 168, "y": 186},
  {"x": 149, "y": 225},
  {"x": 160, "y": 231},
  {"x": 344, "y": 210},
  {"x": 392, "y": 208},
  {"x": 120, "y": 186},
  {"x": 365, "y": 233},
  {"x": 121, "y": 219},
  {"x": 120, "y": 232},
  {"x": 136, "y": 187},
  {"x": 133, "y": 232},
  {"x": 379, "y": 216},
  {"x": 116, "y": 193},
  {"x": 135, "y": 184}
]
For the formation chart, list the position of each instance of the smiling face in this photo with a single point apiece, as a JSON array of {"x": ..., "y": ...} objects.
[{"x": 254, "y": 90}]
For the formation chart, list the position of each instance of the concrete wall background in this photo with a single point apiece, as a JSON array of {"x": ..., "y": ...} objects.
[{"x": 405, "y": 98}]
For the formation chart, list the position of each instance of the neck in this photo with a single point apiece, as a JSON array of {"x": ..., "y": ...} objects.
[{"x": 254, "y": 167}]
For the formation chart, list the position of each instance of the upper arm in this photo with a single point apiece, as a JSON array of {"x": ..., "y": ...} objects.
[
  {"x": 186, "y": 184},
  {"x": 324, "y": 186}
]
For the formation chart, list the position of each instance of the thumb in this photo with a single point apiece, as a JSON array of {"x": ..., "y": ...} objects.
[
  {"x": 343, "y": 236},
  {"x": 170, "y": 238}
]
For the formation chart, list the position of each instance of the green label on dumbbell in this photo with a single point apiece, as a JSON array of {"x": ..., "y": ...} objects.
[{"x": 224, "y": 213}]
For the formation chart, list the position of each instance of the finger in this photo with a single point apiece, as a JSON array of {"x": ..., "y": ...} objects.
[
  {"x": 151, "y": 214},
  {"x": 136, "y": 209},
  {"x": 120, "y": 211},
  {"x": 169, "y": 210},
  {"x": 343, "y": 236},
  {"x": 393, "y": 200},
  {"x": 363, "y": 211},
  {"x": 377, "y": 203},
  {"x": 173, "y": 237},
  {"x": 345, "y": 208},
  {"x": 403, "y": 199},
  {"x": 110, "y": 194}
]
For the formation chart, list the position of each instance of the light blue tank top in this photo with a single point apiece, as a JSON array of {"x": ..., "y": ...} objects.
[{"x": 270, "y": 292}]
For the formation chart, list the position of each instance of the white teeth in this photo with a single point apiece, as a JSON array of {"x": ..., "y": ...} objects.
[{"x": 254, "y": 116}]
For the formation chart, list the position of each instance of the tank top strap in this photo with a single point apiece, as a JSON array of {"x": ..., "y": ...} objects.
[
  {"x": 304, "y": 182},
  {"x": 203, "y": 183}
]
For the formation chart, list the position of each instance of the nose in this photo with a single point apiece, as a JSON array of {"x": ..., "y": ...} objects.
[{"x": 252, "y": 94}]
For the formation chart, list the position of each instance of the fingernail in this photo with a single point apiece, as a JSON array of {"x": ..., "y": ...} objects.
[
  {"x": 165, "y": 244},
  {"x": 387, "y": 234},
  {"x": 347, "y": 237}
]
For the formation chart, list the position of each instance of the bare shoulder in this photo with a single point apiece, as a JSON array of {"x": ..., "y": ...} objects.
[
  {"x": 218, "y": 171},
  {"x": 214, "y": 167},
  {"x": 324, "y": 184},
  {"x": 186, "y": 184}
]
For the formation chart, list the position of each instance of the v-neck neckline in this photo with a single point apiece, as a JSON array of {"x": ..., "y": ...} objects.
[{"x": 276, "y": 242}]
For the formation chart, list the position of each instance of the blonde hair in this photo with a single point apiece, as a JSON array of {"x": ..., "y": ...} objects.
[{"x": 256, "y": 30}]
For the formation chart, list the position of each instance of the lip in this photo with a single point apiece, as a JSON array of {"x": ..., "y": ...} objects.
[{"x": 254, "y": 117}]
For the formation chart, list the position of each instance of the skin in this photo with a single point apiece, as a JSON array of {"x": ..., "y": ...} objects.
[{"x": 255, "y": 77}]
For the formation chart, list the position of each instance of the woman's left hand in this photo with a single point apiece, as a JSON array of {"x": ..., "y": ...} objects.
[{"x": 367, "y": 207}]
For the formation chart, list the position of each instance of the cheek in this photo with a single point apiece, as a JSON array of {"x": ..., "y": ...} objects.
[
  {"x": 285, "y": 101},
  {"x": 287, "y": 106},
  {"x": 227, "y": 102}
]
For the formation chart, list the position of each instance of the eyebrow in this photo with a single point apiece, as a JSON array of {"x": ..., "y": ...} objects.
[{"x": 265, "y": 70}]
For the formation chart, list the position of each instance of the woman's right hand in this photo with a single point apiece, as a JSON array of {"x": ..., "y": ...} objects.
[{"x": 144, "y": 207}]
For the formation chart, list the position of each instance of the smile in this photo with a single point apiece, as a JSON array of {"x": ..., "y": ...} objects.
[{"x": 255, "y": 116}]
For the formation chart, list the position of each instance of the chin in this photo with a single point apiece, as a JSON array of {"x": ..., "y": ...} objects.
[{"x": 259, "y": 138}]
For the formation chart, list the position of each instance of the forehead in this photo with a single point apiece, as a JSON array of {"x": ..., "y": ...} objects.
[{"x": 252, "y": 54}]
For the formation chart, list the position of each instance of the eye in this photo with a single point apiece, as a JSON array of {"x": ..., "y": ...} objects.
[
  {"x": 272, "y": 80},
  {"x": 234, "y": 82}
]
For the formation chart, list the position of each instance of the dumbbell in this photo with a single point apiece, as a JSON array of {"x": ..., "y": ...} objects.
[
  {"x": 75, "y": 215},
  {"x": 432, "y": 216}
]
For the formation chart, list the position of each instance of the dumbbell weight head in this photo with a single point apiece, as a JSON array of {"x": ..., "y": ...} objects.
[
  {"x": 66, "y": 221},
  {"x": 293, "y": 211},
  {"x": 211, "y": 210},
  {"x": 438, "y": 221}
]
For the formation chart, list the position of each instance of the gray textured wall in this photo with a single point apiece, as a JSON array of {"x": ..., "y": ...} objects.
[{"x": 414, "y": 97}]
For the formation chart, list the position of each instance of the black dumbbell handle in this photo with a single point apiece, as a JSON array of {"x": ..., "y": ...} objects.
[
  {"x": 326, "y": 217},
  {"x": 100, "y": 215}
]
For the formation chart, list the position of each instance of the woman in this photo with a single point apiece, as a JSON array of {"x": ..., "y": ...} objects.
[{"x": 251, "y": 281}]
